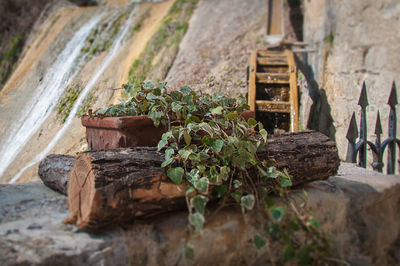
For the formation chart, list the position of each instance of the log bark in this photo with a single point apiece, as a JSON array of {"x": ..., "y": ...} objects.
[
  {"x": 111, "y": 186},
  {"x": 54, "y": 171}
]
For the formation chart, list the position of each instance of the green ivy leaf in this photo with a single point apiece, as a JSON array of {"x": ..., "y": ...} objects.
[
  {"x": 202, "y": 184},
  {"x": 231, "y": 116},
  {"x": 261, "y": 172},
  {"x": 167, "y": 162},
  {"x": 294, "y": 225},
  {"x": 252, "y": 122},
  {"x": 247, "y": 201},
  {"x": 155, "y": 116},
  {"x": 167, "y": 135},
  {"x": 217, "y": 145},
  {"x": 217, "y": 110},
  {"x": 236, "y": 183},
  {"x": 201, "y": 168},
  {"x": 206, "y": 140},
  {"x": 312, "y": 222},
  {"x": 193, "y": 176},
  {"x": 188, "y": 252},
  {"x": 259, "y": 241},
  {"x": 187, "y": 138},
  {"x": 271, "y": 172},
  {"x": 277, "y": 213},
  {"x": 176, "y": 174},
  {"x": 285, "y": 182},
  {"x": 288, "y": 253},
  {"x": 264, "y": 134},
  {"x": 241, "y": 159},
  {"x": 185, "y": 154},
  {"x": 303, "y": 255},
  {"x": 189, "y": 190},
  {"x": 176, "y": 107},
  {"x": 196, "y": 220},
  {"x": 237, "y": 195},
  {"x": 194, "y": 118},
  {"x": 161, "y": 86},
  {"x": 131, "y": 112},
  {"x": 224, "y": 172},
  {"x": 176, "y": 95},
  {"x": 161, "y": 144},
  {"x": 273, "y": 229},
  {"x": 169, "y": 152},
  {"x": 168, "y": 157},
  {"x": 148, "y": 85},
  {"x": 188, "y": 99},
  {"x": 206, "y": 127},
  {"x": 251, "y": 148},
  {"x": 221, "y": 190},
  {"x": 128, "y": 88},
  {"x": 151, "y": 96},
  {"x": 199, "y": 203},
  {"x": 186, "y": 90},
  {"x": 102, "y": 111},
  {"x": 213, "y": 171}
]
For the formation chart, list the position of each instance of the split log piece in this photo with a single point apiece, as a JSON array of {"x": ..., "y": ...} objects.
[
  {"x": 54, "y": 171},
  {"x": 111, "y": 186}
]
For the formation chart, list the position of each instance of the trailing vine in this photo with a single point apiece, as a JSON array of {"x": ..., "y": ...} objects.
[{"x": 219, "y": 156}]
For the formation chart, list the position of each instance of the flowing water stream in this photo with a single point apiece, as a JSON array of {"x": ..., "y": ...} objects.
[
  {"x": 52, "y": 87},
  {"x": 47, "y": 94}
]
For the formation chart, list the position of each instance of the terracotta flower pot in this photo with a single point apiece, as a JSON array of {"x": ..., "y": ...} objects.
[
  {"x": 121, "y": 132},
  {"x": 124, "y": 132}
]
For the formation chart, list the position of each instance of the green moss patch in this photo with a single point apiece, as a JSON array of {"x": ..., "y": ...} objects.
[
  {"x": 9, "y": 59},
  {"x": 164, "y": 44}
]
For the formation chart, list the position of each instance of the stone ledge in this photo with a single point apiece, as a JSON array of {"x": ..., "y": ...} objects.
[{"x": 359, "y": 207}]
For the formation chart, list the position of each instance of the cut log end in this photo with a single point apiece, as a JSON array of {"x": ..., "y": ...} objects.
[{"x": 80, "y": 190}]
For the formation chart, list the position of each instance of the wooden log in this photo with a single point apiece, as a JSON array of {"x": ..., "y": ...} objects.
[
  {"x": 111, "y": 186},
  {"x": 54, "y": 171}
]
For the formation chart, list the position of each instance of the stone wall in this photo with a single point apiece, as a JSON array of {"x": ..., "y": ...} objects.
[
  {"x": 353, "y": 41},
  {"x": 358, "y": 207}
]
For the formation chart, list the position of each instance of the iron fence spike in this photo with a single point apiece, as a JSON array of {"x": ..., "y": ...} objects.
[
  {"x": 363, "y": 100},
  {"x": 352, "y": 132},
  {"x": 378, "y": 125},
  {"x": 393, "y": 96}
]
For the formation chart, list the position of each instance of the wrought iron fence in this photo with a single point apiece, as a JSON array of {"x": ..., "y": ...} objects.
[{"x": 379, "y": 147}]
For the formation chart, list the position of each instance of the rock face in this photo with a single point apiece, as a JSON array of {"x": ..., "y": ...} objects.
[
  {"x": 359, "y": 207},
  {"x": 97, "y": 33},
  {"x": 354, "y": 41},
  {"x": 17, "y": 19},
  {"x": 216, "y": 49}
]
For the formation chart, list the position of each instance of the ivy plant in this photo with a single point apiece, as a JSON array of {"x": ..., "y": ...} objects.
[{"x": 219, "y": 156}]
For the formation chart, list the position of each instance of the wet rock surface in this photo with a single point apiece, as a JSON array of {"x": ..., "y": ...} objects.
[{"x": 359, "y": 207}]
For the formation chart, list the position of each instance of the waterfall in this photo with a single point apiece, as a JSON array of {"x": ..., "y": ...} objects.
[
  {"x": 38, "y": 109},
  {"x": 93, "y": 80}
]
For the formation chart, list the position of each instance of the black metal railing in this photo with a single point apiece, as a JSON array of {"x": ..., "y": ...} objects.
[{"x": 379, "y": 147}]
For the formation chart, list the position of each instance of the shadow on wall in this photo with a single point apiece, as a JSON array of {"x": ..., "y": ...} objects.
[
  {"x": 296, "y": 18},
  {"x": 319, "y": 117}
]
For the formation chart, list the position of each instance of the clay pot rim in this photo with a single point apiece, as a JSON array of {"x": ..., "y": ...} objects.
[
  {"x": 118, "y": 122},
  {"x": 122, "y": 122}
]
